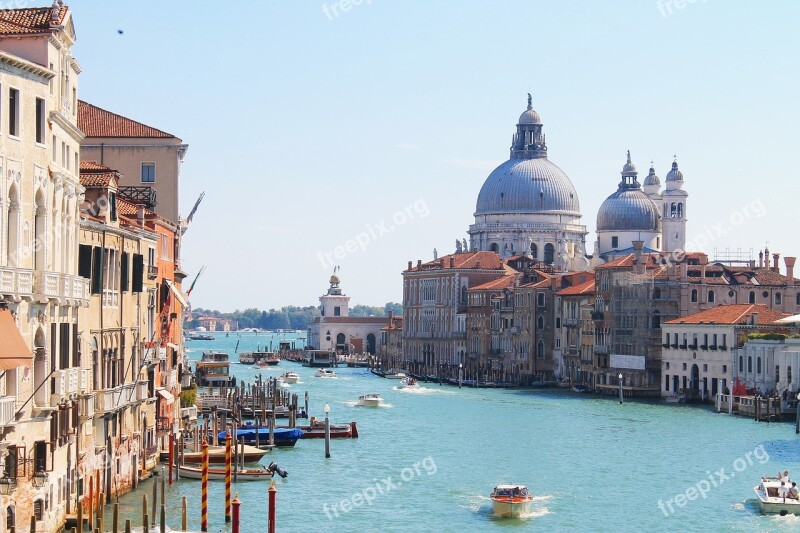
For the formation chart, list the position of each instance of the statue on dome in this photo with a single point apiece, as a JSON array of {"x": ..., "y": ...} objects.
[
  {"x": 464, "y": 246},
  {"x": 530, "y": 101},
  {"x": 458, "y": 246}
]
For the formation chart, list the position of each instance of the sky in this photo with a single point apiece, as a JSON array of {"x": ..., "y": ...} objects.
[{"x": 359, "y": 134}]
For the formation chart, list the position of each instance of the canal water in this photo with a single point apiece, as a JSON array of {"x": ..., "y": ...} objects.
[{"x": 429, "y": 458}]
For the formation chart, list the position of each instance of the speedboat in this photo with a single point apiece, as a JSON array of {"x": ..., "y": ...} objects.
[
  {"x": 408, "y": 383},
  {"x": 370, "y": 400},
  {"x": 325, "y": 373},
  {"x": 291, "y": 377},
  {"x": 394, "y": 374},
  {"x": 770, "y": 500},
  {"x": 511, "y": 501}
]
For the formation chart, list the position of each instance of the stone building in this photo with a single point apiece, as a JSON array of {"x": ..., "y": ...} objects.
[
  {"x": 391, "y": 347},
  {"x": 576, "y": 305}
]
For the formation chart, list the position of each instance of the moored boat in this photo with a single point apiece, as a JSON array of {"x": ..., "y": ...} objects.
[
  {"x": 218, "y": 474},
  {"x": 771, "y": 501},
  {"x": 394, "y": 374},
  {"x": 216, "y": 455},
  {"x": 370, "y": 400},
  {"x": 511, "y": 501},
  {"x": 317, "y": 430},
  {"x": 284, "y": 437}
]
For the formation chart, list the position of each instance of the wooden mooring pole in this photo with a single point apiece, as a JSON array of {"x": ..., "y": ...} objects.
[
  {"x": 271, "y": 512},
  {"x": 236, "y": 503}
]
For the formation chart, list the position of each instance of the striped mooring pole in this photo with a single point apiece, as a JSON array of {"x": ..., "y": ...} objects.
[
  {"x": 228, "y": 464},
  {"x": 204, "y": 487}
]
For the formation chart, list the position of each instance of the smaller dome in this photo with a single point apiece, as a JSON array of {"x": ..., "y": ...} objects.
[
  {"x": 651, "y": 178},
  {"x": 629, "y": 167},
  {"x": 675, "y": 174},
  {"x": 628, "y": 210},
  {"x": 529, "y": 116}
]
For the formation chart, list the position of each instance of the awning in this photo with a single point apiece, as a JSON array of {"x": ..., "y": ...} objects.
[
  {"x": 174, "y": 346},
  {"x": 180, "y": 297},
  {"x": 166, "y": 395},
  {"x": 788, "y": 320},
  {"x": 13, "y": 350}
]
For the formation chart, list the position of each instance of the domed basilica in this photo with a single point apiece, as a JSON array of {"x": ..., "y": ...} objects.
[{"x": 528, "y": 206}]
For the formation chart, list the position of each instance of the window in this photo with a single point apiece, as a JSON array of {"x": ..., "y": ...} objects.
[
  {"x": 752, "y": 298},
  {"x": 540, "y": 323},
  {"x": 540, "y": 349},
  {"x": 148, "y": 172},
  {"x": 13, "y": 112},
  {"x": 788, "y": 374},
  {"x": 758, "y": 365},
  {"x": 558, "y": 323},
  {"x": 40, "y": 121},
  {"x": 657, "y": 293},
  {"x": 667, "y": 365},
  {"x": 540, "y": 300},
  {"x": 113, "y": 202},
  {"x": 614, "y": 242},
  {"x": 741, "y": 363},
  {"x": 724, "y": 369},
  {"x": 337, "y": 311},
  {"x": 705, "y": 368},
  {"x": 694, "y": 295},
  {"x": 656, "y": 322},
  {"x": 666, "y": 382},
  {"x": 777, "y": 374},
  {"x": 549, "y": 253},
  {"x": 798, "y": 299},
  {"x": 55, "y": 149},
  {"x": 138, "y": 273},
  {"x": 750, "y": 363},
  {"x": 711, "y": 297},
  {"x": 777, "y": 298},
  {"x": 535, "y": 252}
]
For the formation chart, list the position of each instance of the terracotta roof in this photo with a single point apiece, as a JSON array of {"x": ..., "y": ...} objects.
[
  {"x": 90, "y": 166},
  {"x": 30, "y": 20},
  {"x": 98, "y": 177},
  {"x": 582, "y": 288},
  {"x": 126, "y": 209},
  {"x": 468, "y": 260},
  {"x": 538, "y": 284},
  {"x": 732, "y": 314},
  {"x": 97, "y": 122},
  {"x": 496, "y": 284}
]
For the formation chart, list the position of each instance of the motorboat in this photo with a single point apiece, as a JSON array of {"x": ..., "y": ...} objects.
[
  {"x": 216, "y": 455},
  {"x": 580, "y": 388},
  {"x": 290, "y": 377},
  {"x": 218, "y": 474},
  {"x": 511, "y": 501},
  {"x": 284, "y": 437},
  {"x": 200, "y": 337},
  {"x": 325, "y": 373},
  {"x": 770, "y": 500},
  {"x": 316, "y": 430},
  {"x": 370, "y": 400},
  {"x": 408, "y": 383},
  {"x": 394, "y": 374}
]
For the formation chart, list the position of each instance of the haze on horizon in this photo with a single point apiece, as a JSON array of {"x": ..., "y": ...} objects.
[{"x": 307, "y": 130}]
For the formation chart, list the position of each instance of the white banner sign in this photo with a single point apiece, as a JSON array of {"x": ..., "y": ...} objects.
[{"x": 629, "y": 362}]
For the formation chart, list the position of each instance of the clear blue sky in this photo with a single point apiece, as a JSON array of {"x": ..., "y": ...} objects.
[{"x": 307, "y": 129}]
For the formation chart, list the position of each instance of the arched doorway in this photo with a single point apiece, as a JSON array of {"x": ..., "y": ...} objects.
[
  {"x": 371, "y": 344},
  {"x": 11, "y": 518},
  {"x": 494, "y": 247},
  {"x": 549, "y": 253},
  {"x": 341, "y": 342},
  {"x": 695, "y": 381}
]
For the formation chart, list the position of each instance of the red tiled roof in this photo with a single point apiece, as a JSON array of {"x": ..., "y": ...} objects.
[
  {"x": 355, "y": 319},
  {"x": 467, "y": 260},
  {"x": 90, "y": 166},
  {"x": 582, "y": 288},
  {"x": 97, "y": 122},
  {"x": 30, "y": 20},
  {"x": 126, "y": 209},
  {"x": 97, "y": 179},
  {"x": 732, "y": 314},
  {"x": 496, "y": 284}
]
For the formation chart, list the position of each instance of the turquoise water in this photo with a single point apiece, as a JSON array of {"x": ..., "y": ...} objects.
[{"x": 593, "y": 465}]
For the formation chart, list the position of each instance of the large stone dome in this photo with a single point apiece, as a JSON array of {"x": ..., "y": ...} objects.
[
  {"x": 628, "y": 210},
  {"x": 528, "y": 186}
]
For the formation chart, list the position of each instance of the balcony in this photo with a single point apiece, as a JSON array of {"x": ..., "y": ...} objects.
[
  {"x": 86, "y": 407},
  {"x": 46, "y": 286},
  {"x": 65, "y": 383},
  {"x": 601, "y": 349},
  {"x": 713, "y": 347},
  {"x": 572, "y": 350},
  {"x": 16, "y": 283},
  {"x": 164, "y": 424},
  {"x": 572, "y": 322},
  {"x": 8, "y": 409},
  {"x": 704, "y": 347},
  {"x": 693, "y": 346},
  {"x": 110, "y": 298},
  {"x": 514, "y": 330},
  {"x": 109, "y": 400}
]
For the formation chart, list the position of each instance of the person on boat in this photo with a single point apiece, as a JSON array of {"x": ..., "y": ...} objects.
[
  {"x": 784, "y": 477},
  {"x": 794, "y": 492},
  {"x": 783, "y": 491}
]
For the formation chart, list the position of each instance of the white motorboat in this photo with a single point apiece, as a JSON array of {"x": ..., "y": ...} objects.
[
  {"x": 370, "y": 400},
  {"x": 512, "y": 501},
  {"x": 291, "y": 377},
  {"x": 771, "y": 501},
  {"x": 394, "y": 374},
  {"x": 325, "y": 373},
  {"x": 408, "y": 383}
]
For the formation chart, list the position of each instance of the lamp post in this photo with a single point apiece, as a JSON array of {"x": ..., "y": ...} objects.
[
  {"x": 460, "y": 376},
  {"x": 327, "y": 432},
  {"x": 620, "y": 388}
]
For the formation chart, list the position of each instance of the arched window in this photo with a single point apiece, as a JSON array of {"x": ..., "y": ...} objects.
[
  {"x": 494, "y": 247},
  {"x": 680, "y": 210},
  {"x": 758, "y": 365},
  {"x": 657, "y": 293},
  {"x": 752, "y": 297},
  {"x": 657, "y": 322},
  {"x": 673, "y": 211},
  {"x": 750, "y": 363},
  {"x": 534, "y": 251},
  {"x": 694, "y": 295},
  {"x": 778, "y": 298},
  {"x": 540, "y": 323},
  {"x": 711, "y": 297},
  {"x": 549, "y": 251},
  {"x": 741, "y": 363},
  {"x": 540, "y": 349}
]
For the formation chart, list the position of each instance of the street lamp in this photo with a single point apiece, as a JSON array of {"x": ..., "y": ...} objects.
[
  {"x": 460, "y": 378},
  {"x": 620, "y": 388},
  {"x": 7, "y": 485},
  {"x": 797, "y": 428},
  {"x": 39, "y": 479},
  {"x": 327, "y": 432}
]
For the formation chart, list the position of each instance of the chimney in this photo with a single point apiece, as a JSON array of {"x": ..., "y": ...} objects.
[
  {"x": 775, "y": 262},
  {"x": 452, "y": 262},
  {"x": 637, "y": 251},
  {"x": 754, "y": 319},
  {"x": 419, "y": 263},
  {"x": 766, "y": 257},
  {"x": 790, "y": 269},
  {"x": 391, "y": 317},
  {"x": 761, "y": 259},
  {"x": 478, "y": 265},
  {"x": 409, "y": 264}
]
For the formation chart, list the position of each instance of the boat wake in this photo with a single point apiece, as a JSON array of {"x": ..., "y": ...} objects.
[
  {"x": 422, "y": 390},
  {"x": 481, "y": 504}
]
